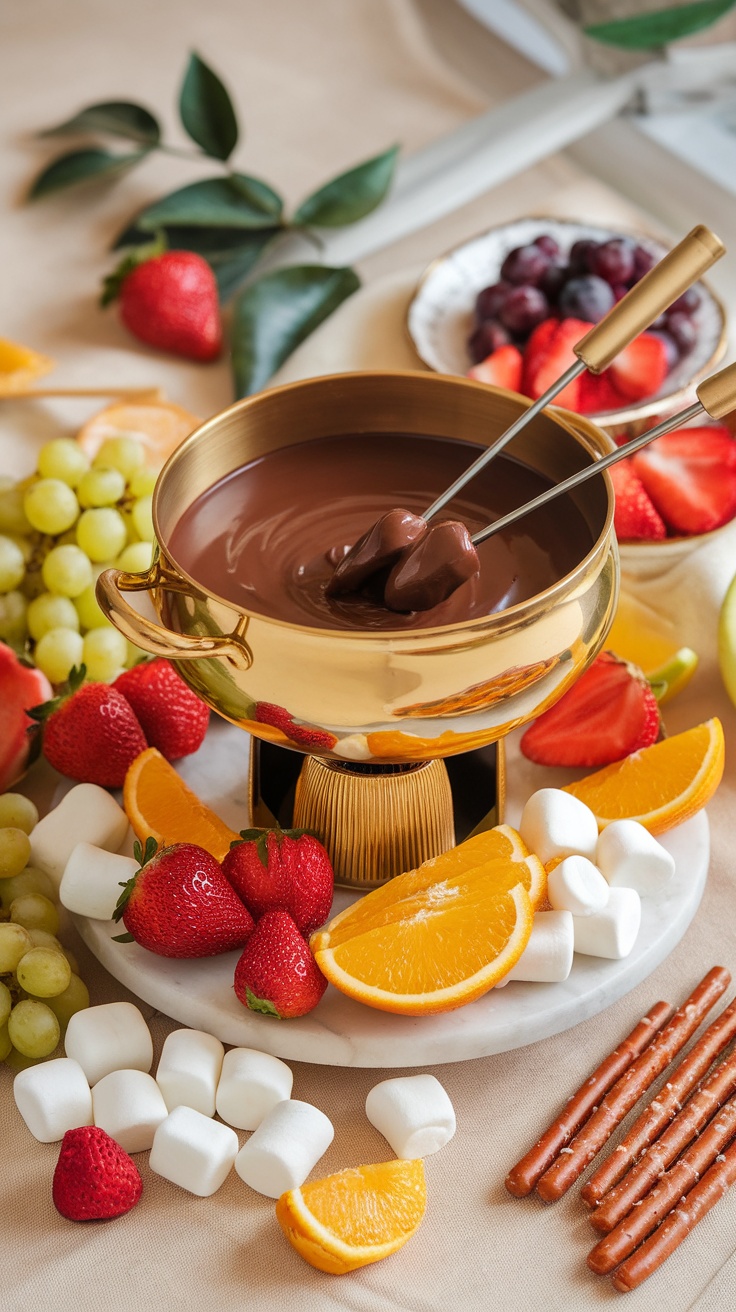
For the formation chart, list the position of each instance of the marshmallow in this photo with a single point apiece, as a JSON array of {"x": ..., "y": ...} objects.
[
  {"x": 413, "y": 1113},
  {"x": 52, "y": 1098},
  {"x": 90, "y": 884},
  {"x": 250, "y": 1085},
  {"x": 86, "y": 814},
  {"x": 189, "y": 1070},
  {"x": 129, "y": 1106},
  {"x": 611, "y": 932},
  {"x": 288, "y": 1142},
  {"x": 554, "y": 823},
  {"x": 193, "y": 1151},
  {"x": 630, "y": 857},
  {"x": 111, "y": 1037},
  {"x": 577, "y": 885},
  {"x": 547, "y": 957}
]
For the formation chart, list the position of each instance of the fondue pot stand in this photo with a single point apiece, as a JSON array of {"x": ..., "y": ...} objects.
[{"x": 377, "y": 711}]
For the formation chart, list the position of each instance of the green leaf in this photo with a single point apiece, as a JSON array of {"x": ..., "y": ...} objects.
[
  {"x": 231, "y": 252},
  {"x": 213, "y": 203},
  {"x": 119, "y": 118},
  {"x": 351, "y": 195},
  {"x": 273, "y": 315},
  {"x": 93, "y": 164},
  {"x": 122, "y": 938},
  {"x": 259, "y": 195},
  {"x": 646, "y": 31},
  {"x": 206, "y": 110}
]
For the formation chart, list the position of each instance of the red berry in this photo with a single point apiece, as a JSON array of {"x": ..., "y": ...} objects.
[
  {"x": 282, "y": 870},
  {"x": 171, "y": 302},
  {"x": 91, "y": 733},
  {"x": 277, "y": 973},
  {"x": 304, "y": 735},
  {"x": 690, "y": 476},
  {"x": 94, "y": 1179},
  {"x": 173, "y": 718},
  {"x": 502, "y": 368},
  {"x": 635, "y": 516}
]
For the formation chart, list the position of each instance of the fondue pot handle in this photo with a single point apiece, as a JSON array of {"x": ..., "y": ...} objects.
[{"x": 153, "y": 637}]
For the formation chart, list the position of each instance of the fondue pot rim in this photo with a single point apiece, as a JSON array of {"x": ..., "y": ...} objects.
[{"x": 582, "y": 430}]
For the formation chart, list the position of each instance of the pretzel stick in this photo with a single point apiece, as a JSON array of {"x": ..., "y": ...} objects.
[
  {"x": 522, "y": 1178},
  {"x": 664, "y": 1107},
  {"x": 686, "y": 1125},
  {"x": 647, "y": 1259},
  {"x": 573, "y": 1160},
  {"x": 668, "y": 1191}
]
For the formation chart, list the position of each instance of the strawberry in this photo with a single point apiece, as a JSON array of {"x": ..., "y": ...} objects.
[
  {"x": 598, "y": 394},
  {"x": 635, "y": 517},
  {"x": 548, "y": 354},
  {"x": 610, "y": 712},
  {"x": 277, "y": 974},
  {"x": 94, "y": 1179},
  {"x": 641, "y": 368},
  {"x": 690, "y": 476},
  {"x": 502, "y": 368},
  {"x": 179, "y": 904},
  {"x": 303, "y": 734},
  {"x": 170, "y": 302},
  {"x": 282, "y": 870},
  {"x": 90, "y": 732},
  {"x": 22, "y": 685},
  {"x": 173, "y": 718}
]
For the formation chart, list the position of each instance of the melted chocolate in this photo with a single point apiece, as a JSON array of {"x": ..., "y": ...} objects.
[{"x": 438, "y": 563}]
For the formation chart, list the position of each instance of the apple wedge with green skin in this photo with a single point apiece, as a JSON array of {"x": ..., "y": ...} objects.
[{"x": 674, "y": 675}]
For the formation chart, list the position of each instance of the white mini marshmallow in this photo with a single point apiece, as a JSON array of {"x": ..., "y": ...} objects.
[
  {"x": 111, "y": 1037},
  {"x": 129, "y": 1106},
  {"x": 86, "y": 814},
  {"x": 251, "y": 1084},
  {"x": 554, "y": 823},
  {"x": 612, "y": 932},
  {"x": 630, "y": 857},
  {"x": 547, "y": 957},
  {"x": 53, "y": 1097},
  {"x": 578, "y": 886},
  {"x": 193, "y": 1151},
  {"x": 413, "y": 1113},
  {"x": 90, "y": 884},
  {"x": 189, "y": 1070},
  {"x": 288, "y": 1142}
]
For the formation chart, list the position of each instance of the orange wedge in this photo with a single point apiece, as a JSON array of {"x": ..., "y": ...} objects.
[
  {"x": 356, "y": 1216},
  {"x": 159, "y": 425},
  {"x": 20, "y": 367},
  {"x": 660, "y": 786},
  {"x": 159, "y": 803}
]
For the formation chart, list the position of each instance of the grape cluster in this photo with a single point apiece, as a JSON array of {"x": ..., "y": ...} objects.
[
  {"x": 58, "y": 530},
  {"x": 40, "y": 987},
  {"x": 538, "y": 282}
]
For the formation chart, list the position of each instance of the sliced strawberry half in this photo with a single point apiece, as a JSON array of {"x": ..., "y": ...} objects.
[
  {"x": 690, "y": 475},
  {"x": 641, "y": 368},
  {"x": 598, "y": 394},
  {"x": 635, "y": 517},
  {"x": 548, "y": 355},
  {"x": 610, "y": 712},
  {"x": 502, "y": 368}
]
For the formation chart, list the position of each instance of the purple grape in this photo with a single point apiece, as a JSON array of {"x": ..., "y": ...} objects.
[
  {"x": 619, "y": 290},
  {"x": 643, "y": 262},
  {"x": 682, "y": 329},
  {"x": 672, "y": 354},
  {"x": 587, "y": 297},
  {"x": 580, "y": 253},
  {"x": 614, "y": 260},
  {"x": 547, "y": 244},
  {"x": 489, "y": 301},
  {"x": 523, "y": 309},
  {"x": 553, "y": 281},
  {"x": 486, "y": 339},
  {"x": 525, "y": 265},
  {"x": 689, "y": 302}
]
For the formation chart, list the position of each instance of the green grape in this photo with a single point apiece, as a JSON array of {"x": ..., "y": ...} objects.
[
  {"x": 30, "y": 880},
  {"x": 13, "y": 617},
  {"x": 51, "y": 506},
  {"x": 142, "y": 521},
  {"x": 142, "y": 482},
  {"x": 12, "y": 564},
  {"x": 74, "y": 998},
  {"x": 57, "y": 652},
  {"x": 66, "y": 571},
  {"x": 123, "y": 453},
  {"x": 101, "y": 533},
  {"x": 89, "y": 613},
  {"x": 101, "y": 487},
  {"x": 43, "y": 972},
  {"x": 15, "y": 941},
  {"x": 62, "y": 458},
  {"x": 71, "y": 959},
  {"x": 6, "y": 1046},
  {"x": 15, "y": 851},
  {"x": 33, "y": 1028},
  {"x": 6, "y": 1003},
  {"x": 12, "y": 515},
  {"x": 135, "y": 558},
  {"x": 17, "y": 812},
  {"x": 34, "y": 911},
  {"x": 104, "y": 653},
  {"x": 50, "y": 611}
]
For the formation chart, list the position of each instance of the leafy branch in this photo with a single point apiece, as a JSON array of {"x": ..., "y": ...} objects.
[
  {"x": 232, "y": 219},
  {"x": 655, "y": 28}
]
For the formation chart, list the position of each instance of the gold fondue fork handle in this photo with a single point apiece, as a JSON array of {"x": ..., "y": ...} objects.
[
  {"x": 716, "y": 397},
  {"x": 645, "y": 301}
]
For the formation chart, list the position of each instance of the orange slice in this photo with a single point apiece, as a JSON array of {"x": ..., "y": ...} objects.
[
  {"x": 159, "y": 425},
  {"x": 660, "y": 786},
  {"x": 159, "y": 803},
  {"x": 355, "y": 1217},
  {"x": 20, "y": 367}
]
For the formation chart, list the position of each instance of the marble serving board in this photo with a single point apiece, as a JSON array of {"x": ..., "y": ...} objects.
[{"x": 341, "y": 1032}]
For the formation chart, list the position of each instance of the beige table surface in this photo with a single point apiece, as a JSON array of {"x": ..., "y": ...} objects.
[{"x": 319, "y": 86}]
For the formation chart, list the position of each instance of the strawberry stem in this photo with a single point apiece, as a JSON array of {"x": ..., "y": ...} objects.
[{"x": 262, "y": 1005}]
